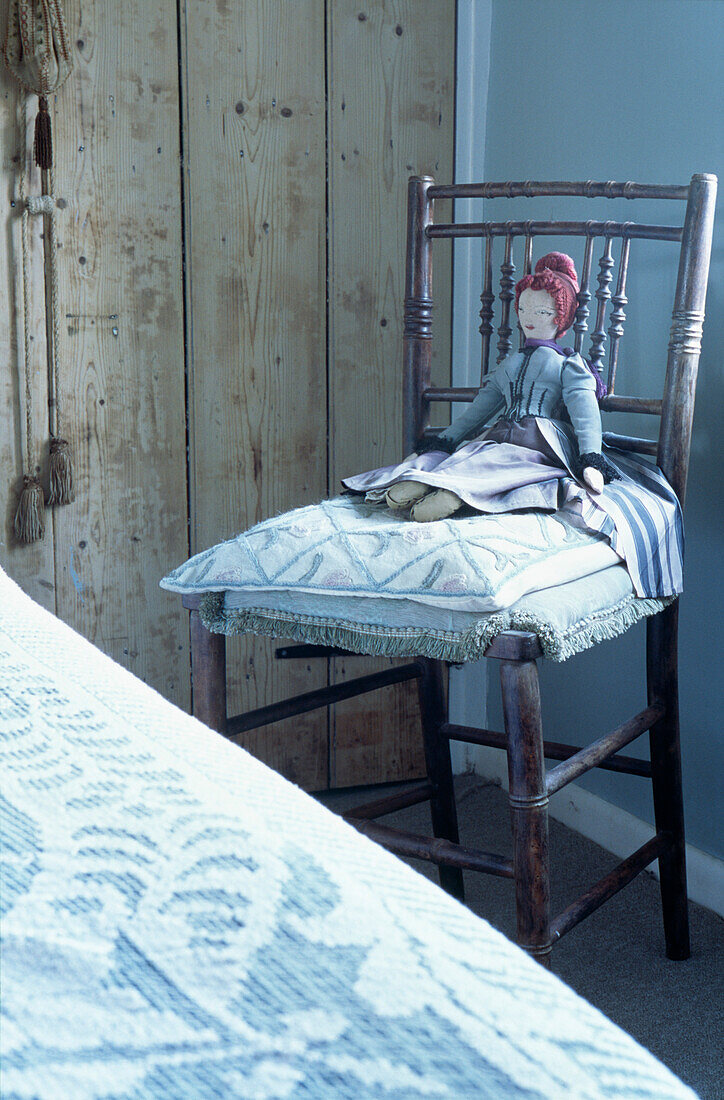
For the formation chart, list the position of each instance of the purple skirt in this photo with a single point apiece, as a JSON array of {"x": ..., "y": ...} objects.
[{"x": 511, "y": 466}]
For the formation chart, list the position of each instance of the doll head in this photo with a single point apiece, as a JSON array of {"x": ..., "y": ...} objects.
[{"x": 549, "y": 297}]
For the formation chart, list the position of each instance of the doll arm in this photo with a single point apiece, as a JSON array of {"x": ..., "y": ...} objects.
[
  {"x": 489, "y": 399},
  {"x": 579, "y": 394}
]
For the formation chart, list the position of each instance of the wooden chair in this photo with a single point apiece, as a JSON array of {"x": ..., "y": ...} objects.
[{"x": 530, "y": 784}]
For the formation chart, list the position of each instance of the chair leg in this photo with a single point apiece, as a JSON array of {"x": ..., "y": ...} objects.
[
  {"x": 208, "y": 675},
  {"x": 528, "y": 805},
  {"x": 662, "y": 672},
  {"x": 439, "y": 767}
]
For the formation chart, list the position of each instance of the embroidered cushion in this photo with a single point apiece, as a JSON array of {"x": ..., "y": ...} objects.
[{"x": 347, "y": 547}]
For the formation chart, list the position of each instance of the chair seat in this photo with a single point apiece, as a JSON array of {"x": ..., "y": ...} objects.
[{"x": 567, "y": 619}]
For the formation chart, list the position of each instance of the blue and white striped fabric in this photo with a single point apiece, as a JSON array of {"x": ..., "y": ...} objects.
[{"x": 640, "y": 515}]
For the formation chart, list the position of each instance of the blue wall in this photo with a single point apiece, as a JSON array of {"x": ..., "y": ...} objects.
[{"x": 628, "y": 91}]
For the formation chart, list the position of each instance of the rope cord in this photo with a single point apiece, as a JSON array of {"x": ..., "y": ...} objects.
[
  {"x": 36, "y": 52},
  {"x": 54, "y": 402},
  {"x": 40, "y": 205},
  {"x": 29, "y": 440}
]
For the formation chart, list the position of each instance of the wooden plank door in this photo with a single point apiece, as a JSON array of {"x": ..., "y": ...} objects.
[
  {"x": 253, "y": 80},
  {"x": 116, "y": 139},
  {"x": 299, "y": 120},
  {"x": 391, "y": 115}
]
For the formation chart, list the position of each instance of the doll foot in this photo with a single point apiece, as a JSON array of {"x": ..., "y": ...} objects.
[
  {"x": 405, "y": 493},
  {"x": 438, "y": 505}
]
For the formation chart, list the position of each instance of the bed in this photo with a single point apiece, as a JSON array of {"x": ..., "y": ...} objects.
[{"x": 180, "y": 921}]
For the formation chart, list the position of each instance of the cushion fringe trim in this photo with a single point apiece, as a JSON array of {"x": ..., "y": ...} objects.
[{"x": 445, "y": 645}]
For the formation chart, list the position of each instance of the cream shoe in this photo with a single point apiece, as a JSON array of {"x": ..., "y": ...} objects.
[
  {"x": 405, "y": 493},
  {"x": 437, "y": 505}
]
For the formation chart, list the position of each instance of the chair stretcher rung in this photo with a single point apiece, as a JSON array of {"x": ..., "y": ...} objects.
[
  {"x": 435, "y": 850},
  {"x": 449, "y": 393},
  {"x": 607, "y": 189},
  {"x": 630, "y": 230},
  {"x": 609, "y": 885},
  {"x": 631, "y": 443},
  {"x": 553, "y": 750},
  {"x": 612, "y": 403},
  {"x": 592, "y": 756},
  {"x": 615, "y": 402},
  {"x": 421, "y": 792},
  {"x": 322, "y": 697},
  {"x": 303, "y": 652}
]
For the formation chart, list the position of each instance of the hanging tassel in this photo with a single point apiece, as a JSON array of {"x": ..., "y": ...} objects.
[
  {"x": 61, "y": 473},
  {"x": 29, "y": 523},
  {"x": 43, "y": 137}
]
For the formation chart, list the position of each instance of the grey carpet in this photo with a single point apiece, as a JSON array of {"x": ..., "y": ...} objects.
[{"x": 615, "y": 959}]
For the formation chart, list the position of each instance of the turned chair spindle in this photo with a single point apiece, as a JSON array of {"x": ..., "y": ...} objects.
[
  {"x": 618, "y": 314},
  {"x": 507, "y": 293},
  {"x": 603, "y": 297},
  {"x": 580, "y": 325},
  {"x": 486, "y": 312}
]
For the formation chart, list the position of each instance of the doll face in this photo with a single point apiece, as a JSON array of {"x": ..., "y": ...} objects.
[{"x": 537, "y": 314}]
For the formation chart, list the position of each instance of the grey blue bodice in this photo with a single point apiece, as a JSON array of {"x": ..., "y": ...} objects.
[{"x": 538, "y": 381}]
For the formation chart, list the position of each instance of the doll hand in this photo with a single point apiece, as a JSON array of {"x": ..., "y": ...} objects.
[
  {"x": 595, "y": 466},
  {"x": 593, "y": 479},
  {"x": 425, "y": 444}
]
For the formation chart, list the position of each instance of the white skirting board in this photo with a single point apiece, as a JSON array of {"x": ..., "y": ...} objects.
[{"x": 613, "y": 828}]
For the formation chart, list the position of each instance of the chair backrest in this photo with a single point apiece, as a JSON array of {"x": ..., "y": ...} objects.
[{"x": 676, "y": 406}]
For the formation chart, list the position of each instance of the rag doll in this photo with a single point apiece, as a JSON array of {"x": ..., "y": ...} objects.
[
  {"x": 531, "y": 440},
  {"x": 546, "y": 423}
]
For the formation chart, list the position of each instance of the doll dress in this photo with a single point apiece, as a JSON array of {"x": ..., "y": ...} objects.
[{"x": 529, "y": 459}]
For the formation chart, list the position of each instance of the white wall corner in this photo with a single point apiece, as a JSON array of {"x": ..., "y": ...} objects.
[
  {"x": 472, "y": 69},
  {"x": 615, "y": 829},
  {"x": 604, "y": 823},
  {"x": 474, "y": 23}
]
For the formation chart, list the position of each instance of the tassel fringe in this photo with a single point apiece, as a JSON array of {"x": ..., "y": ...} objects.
[
  {"x": 61, "y": 473},
  {"x": 43, "y": 136},
  {"x": 445, "y": 645},
  {"x": 29, "y": 525}
]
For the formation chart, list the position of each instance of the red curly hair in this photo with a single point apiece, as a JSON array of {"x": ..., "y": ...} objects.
[{"x": 555, "y": 273}]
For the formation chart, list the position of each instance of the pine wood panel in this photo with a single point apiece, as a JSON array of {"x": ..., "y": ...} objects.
[
  {"x": 122, "y": 356},
  {"x": 253, "y": 75},
  {"x": 391, "y": 115},
  {"x": 30, "y": 565}
]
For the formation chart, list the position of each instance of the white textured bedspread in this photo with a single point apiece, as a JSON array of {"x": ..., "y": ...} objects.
[{"x": 180, "y": 922}]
